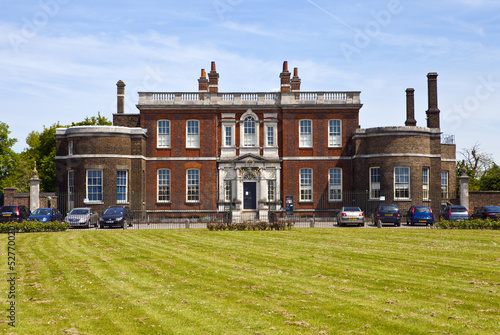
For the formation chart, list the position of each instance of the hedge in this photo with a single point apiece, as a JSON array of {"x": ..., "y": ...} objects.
[
  {"x": 33, "y": 226},
  {"x": 468, "y": 224},
  {"x": 257, "y": 225}
]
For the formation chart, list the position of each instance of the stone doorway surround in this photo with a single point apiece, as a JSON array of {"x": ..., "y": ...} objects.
[{"x": 249, "y": 168}]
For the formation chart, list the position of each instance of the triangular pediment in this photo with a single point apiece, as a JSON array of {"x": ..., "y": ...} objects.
[{"x": 247, "y": 158}]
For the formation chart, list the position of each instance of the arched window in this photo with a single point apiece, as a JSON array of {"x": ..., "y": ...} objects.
[{"x": 249, "y": 132}]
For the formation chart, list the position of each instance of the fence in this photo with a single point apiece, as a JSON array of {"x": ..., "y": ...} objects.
[{"x": 196, "y": 215}]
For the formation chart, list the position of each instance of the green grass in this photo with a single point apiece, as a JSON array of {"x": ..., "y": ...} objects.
[{"x": 300, "y": 281}]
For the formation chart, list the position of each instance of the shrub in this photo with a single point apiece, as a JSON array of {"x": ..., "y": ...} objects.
[
  {"x": 241, "y": 226},
  {"x": 468, "y": 224},
  {"x": 258, "y": 225},
  {"x": 33, "y": 226},
  {"x": 261, "y": 225},
  {"x": 278, "y": 225}
]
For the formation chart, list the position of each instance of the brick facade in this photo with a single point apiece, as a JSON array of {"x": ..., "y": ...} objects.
[{"x": 483, "y": 198}]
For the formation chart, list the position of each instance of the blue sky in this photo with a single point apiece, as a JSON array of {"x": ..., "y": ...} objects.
[{"x": 60, "y": 59}]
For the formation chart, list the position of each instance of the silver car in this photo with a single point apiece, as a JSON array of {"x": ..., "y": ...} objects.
[
  {"x": 82, "y": 217},
  {"x": 351, "y": 215}
]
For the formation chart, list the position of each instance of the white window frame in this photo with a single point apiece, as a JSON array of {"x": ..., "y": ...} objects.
[
  {"x": 305, "y": 133},
  {"x": 445, "y": 185},
  {"x": 228, "y": 140},
  {"x": 402, "y": 183},
  {"x": 94, "y": 181},
  {"x": 374, "y": 182},
  {"x": 122, "y": 186},
  {"x": 163, "y": 131},
  {"x": 70, "y": 148},
  {"x": 228, "y": 190},
  {"x": 193, "y": 134},
  {"x": 335, "y": 133},
  {"x": 270, "y": 136},
  {"x": 335, "y": 184},
  {"x": 193, "y": 185},
  {"x": 271, "y": 190},
  {"x": 249, "y": 131},
  {"x": 425, "y": 183},
  {"x": 306, "y": 184},
  {"x": 71, "y": 185},
  {"x": 163, "y": 185}
]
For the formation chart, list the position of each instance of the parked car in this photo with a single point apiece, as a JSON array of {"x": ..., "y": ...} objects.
[
  {"x": 82, "y": 217},
  {"x": 487, "y": 212},
  {"x": 120, "y": 216},
  {"x": 388, "y": 214},
  {"x": 14, "y": 213},
  {"x": 350, "y": 215},
  {"x": 420, "y": 214},
  {"x": 455, "y": 213},
  {"x": 46, "y": 214}
]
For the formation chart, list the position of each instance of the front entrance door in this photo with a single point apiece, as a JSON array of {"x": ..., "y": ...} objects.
[{"x": 249, "y": 195}]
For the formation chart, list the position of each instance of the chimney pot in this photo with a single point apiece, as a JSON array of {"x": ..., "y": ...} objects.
[
  {"x": 213, "y": 79},
  {"x": 433, "y": 111},
  {"x": 295, "y": 82},
  {"x": 410, "y": 108},
  {"x": 120, "y": 97},
  {"x": 203, "y": 82},
  {"x": 285, "y": 78}
]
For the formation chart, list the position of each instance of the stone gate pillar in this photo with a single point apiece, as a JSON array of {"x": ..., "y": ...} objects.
[
  {"x": 464, "y": 189},
  {"x": 34, "y": 190}
]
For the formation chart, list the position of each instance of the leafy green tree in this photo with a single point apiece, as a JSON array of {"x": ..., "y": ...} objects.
[
  {"x": 42, "y": 149},
  {"x": 93, "y": 121},
  {"x": 490, "y": 181},
  {"x": 476, "y": 163},
  {"x": 8, "y": 158}
]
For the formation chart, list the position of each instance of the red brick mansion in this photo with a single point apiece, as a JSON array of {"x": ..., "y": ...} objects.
[{"x": 246, "y": 152}]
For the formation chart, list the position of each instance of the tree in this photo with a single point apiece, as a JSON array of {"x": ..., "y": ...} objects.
[
  {"x": 93, "y": 121},
  {"x": 42, "y": 150},
  {"x": 490, "y": 181},
  {"x": 8, "y": 157},
  {"x": 476, "y": 163}
]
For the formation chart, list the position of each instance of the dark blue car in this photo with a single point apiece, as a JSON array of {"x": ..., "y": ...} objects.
[
  {"x": 455, "y": 213},
  {"x": 420, "y": 215},
  {"x": 45, "y": 215},
  {"x": 388, "y": 214},
  {"x": 487, "y": 212}
]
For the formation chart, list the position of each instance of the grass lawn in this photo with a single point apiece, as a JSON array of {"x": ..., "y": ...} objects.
[{"x": 301, "y": 281}]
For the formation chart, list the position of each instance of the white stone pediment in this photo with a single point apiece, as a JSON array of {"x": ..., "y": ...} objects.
[{"x": 249, "y": 159}]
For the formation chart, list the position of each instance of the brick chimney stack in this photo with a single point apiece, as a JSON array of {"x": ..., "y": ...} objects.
[
  {"x": 203, "y": 82},
  {"x": 433, "y": 111},
  {"x": 285, "y": 78},
  {"x": 213, "y": 80},
  {"x": 410, "y": 108},
  {"x": 295, "y": 80},
  {"x": 120, "y": 97}
]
